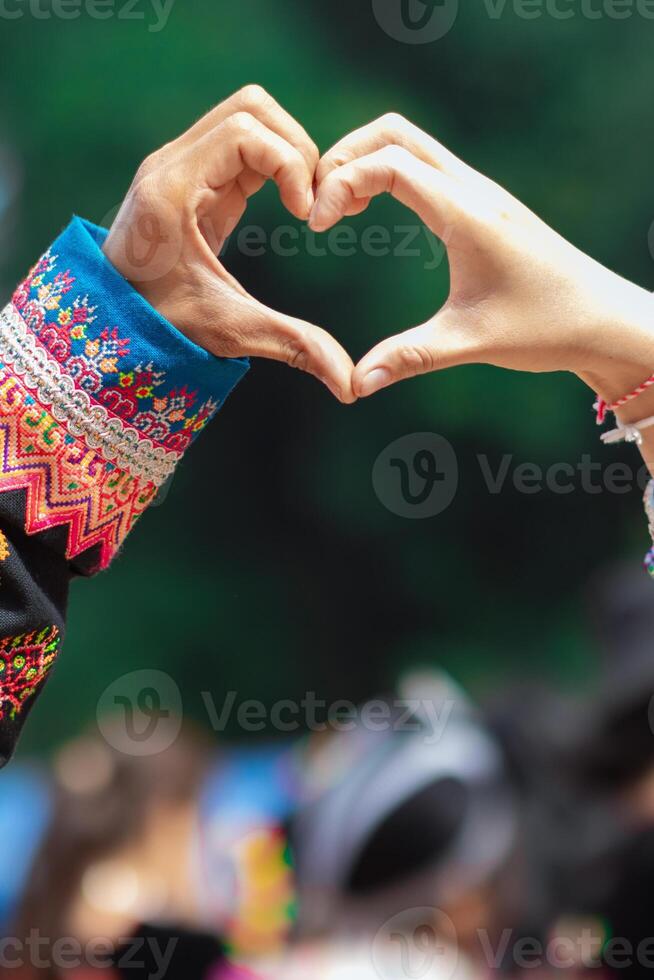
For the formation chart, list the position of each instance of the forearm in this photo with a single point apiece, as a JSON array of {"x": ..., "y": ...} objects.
[{"x": 99, "y": 399}]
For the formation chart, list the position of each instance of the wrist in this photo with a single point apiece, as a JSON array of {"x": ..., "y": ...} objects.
[{"x": 622, "y": 349}]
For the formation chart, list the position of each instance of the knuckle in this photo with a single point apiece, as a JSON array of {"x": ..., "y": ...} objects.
[
  {"x": 329, "y": 177},
  {"x": 146, "y": 193},
  {"x": 393, "y": 122},
  {"x": 314, "y": 152},
  {"x": 340, "y": 157},
  {"x": 299, "y": 360},
  {"x": 241, "y": 122},
  {"x": 294, "y": 351},
  {"x": 415, "y": 359},
  {"x": 332, "y": 185},
  {"x": 296, "y": 355},
  {"x": 289, "y": 164},
  {"x": 394, "y": 155},
  {"x": 148, "y": 166},
  {"x": 255, "y": 96}
]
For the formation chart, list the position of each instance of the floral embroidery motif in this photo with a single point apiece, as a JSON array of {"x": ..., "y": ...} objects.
[
  {"x": 24, "y": 662},
  {"x": 93, "y": 355},
  {"x": 55, "y": 390}
]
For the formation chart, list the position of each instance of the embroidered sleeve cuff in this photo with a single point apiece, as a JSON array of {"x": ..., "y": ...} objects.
[{"x": 99, "y": 395}]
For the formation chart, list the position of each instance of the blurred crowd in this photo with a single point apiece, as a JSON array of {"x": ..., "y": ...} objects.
[{"x": 516, "y": 837}]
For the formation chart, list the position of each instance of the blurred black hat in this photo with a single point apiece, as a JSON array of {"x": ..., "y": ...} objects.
[{"x": 413, "y": 798}]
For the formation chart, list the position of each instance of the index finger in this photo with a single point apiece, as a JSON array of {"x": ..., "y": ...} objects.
[
  {"x": 391, "y": 129},
  {"x": 242, "y": 142},
  {"x": 434, "y": 196},
  {"x": 258, "y": 103}
]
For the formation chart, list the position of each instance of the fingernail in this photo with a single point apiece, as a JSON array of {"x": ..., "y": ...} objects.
[
  {"x": 310, "y": 201},
  {"x": 317, "y": 216},
  {"x": 374, "y": 380}
]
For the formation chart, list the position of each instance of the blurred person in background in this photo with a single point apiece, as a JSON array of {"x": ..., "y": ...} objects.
[
  {"x": 409, "y": 846},
  {"x": 399, "y": 815},
  {"x": 113, "y": 888},
  {"x": 188, "y": 854},
  {"x": 612, "y": 759}
]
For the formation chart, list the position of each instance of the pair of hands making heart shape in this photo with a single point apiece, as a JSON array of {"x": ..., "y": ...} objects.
[{"x": 521, "y": 296}]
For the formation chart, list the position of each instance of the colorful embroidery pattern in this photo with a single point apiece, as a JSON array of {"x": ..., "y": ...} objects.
[
  {"x": 94, "y": 355},
  {"x": 120, "y": 443},
  {"x": 90, "y": 432},
  {"x": 24, "y": 662},
  {"x": 4, "y": 549},
  {"x": 66, "y": 481}
]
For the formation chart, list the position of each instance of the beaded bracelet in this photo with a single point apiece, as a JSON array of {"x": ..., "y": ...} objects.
[
  {"x": 632, "y": 432},
  {"x": 648, "y": 500}
]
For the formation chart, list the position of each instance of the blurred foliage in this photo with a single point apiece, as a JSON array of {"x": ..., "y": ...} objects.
[{"x": 272, "y": 568}]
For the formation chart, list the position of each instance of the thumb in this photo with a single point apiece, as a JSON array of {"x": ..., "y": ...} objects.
[
  {"x": 439, "y": 343},
  {"x": 264, "y": 332}
]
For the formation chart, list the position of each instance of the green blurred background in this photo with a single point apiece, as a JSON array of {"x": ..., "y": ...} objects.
[{"x": 272, "y": 568}]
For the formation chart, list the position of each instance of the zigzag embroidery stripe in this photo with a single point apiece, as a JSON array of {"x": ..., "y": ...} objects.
[
  {"x": 84, "y": 417},
  {"x": 66, "y": 482}
]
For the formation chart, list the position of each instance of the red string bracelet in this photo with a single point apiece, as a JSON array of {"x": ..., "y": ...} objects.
[{"x": 602, "y": 407}]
